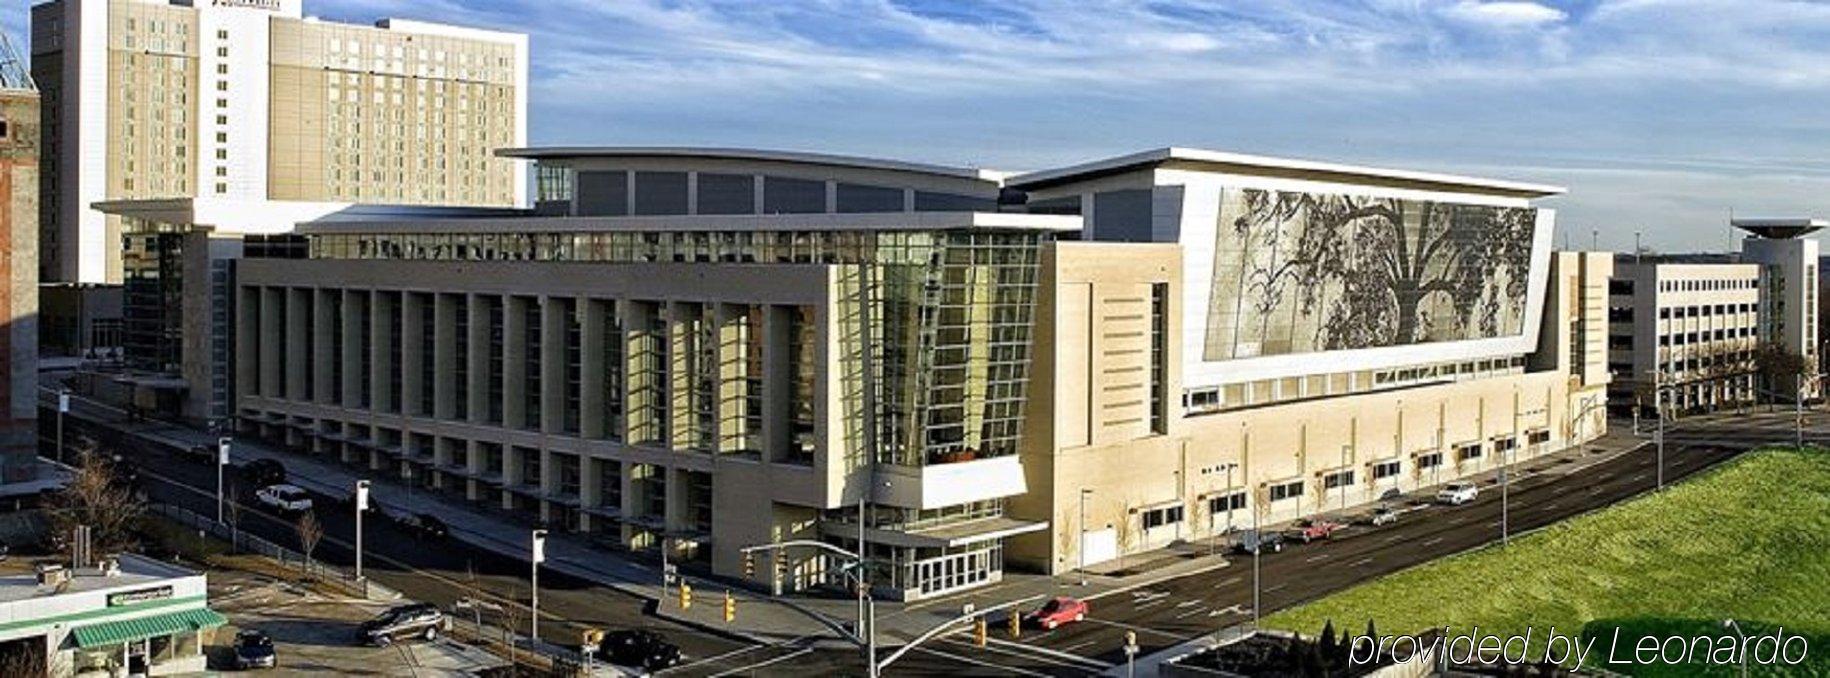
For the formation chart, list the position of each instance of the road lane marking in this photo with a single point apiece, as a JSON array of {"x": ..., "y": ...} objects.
[
  {"x": 1232, "y": 580},
  {"x": 758, "y": 665},
  {"x": 981, "y": 662},
  {"x": 1077, "y": 646},
  {"x": 1433, "y": 542},
  {"x": 1083, "y": 661},
  {"x": 1315, "y": 558},
  {"x": 1192, "y": 613},
  {"x": 1362, "y": 561},
  {"x": 1274, "y": 588}
]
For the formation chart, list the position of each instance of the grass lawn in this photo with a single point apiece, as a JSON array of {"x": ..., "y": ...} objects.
[{"x": 1749, "y": 540}]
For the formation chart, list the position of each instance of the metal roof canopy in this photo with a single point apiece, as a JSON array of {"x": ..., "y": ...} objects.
[{"x": 126, "y": 630}]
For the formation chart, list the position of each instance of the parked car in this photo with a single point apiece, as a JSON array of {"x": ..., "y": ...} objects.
[
  {"x": 1057, "y": 611},
  {"x": 1457, "y": 493},
  {"x": 263, "y": 472},
  {"x": 1253, "y": 541},
  {"x": 419, "y": 620},
  {"x": 284, "y": 498},
  {"x": 425, "y": 525},
  {"x": 638, "y": 648},
  {"x": 1384, "y": 515},
  {"x": 205, "y": 452},
  {"x": 254, "y": 650},
  {"x": 1311, "y": 529}
]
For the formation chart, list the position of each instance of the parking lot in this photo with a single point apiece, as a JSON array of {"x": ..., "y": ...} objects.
[{"x": 316, "y": 634}]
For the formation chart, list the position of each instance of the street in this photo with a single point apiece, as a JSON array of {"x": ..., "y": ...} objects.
[{"x": 1163, "y": 614}]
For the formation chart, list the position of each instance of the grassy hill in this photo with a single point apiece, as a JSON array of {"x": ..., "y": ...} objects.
[{"x": 1749, "y": 541}]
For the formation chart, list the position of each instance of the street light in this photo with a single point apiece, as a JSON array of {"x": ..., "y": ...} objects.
[
  {"x": 63, "y": 406},
  {"x": 222, "y": 459},
  {"x": 362, "y": 505},
  {"x": 537, "y": 550},
  {"x": 1084, "y": 493},
  {"x": 1732, "y": 626},
  {"x": 1505, "y": 477}
]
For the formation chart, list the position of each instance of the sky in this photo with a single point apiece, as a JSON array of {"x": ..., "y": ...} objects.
[{"x": 1660, "y": 116}]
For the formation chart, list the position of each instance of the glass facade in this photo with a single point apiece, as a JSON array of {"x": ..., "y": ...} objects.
[{"x": 932, "y": 328}]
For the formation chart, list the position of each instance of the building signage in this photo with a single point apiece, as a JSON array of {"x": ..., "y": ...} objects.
[
  {"x": 269, "y": 5},
  {"x": 139, "y": 596}
]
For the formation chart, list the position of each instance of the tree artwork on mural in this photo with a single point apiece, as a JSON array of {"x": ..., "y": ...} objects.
[{"x": 1304, "y": 272}]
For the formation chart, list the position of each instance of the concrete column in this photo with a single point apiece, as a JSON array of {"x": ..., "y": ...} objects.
[
  {"x": 514, "y": 363},
  {"x": 589, "y": 487},
  {"x": 355, "y": 307},
  {"x": 731, "y": 382},
  {"x": 676, "y": 499},
  {"x": 557, "y": 313},
  {"x": 591, "y": 423},
  {"x": 680, "y": 319},
  {"x": 478, "y": 391},
  {"x": 297, "y": 346},
  {"x": 270, "y": 340},
  {"x": 445, "y": 308},
  {"x": 324, "y": 388},
  {"x": 248, "y": 343},
  {"x": 777, "y": 433},
  {"x": 473, "y": 463},
  {"x": 412, "y": 353},
  {"x": 382, "y": 315}
]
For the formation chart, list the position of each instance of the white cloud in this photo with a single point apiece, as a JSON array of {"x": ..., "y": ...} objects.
[{"x": 1505, "y": 14}]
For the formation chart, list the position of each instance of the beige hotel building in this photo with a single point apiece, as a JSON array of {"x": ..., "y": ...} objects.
[
  {"x": 253, "y": 114},
  {"x": 700, "y": 349}
]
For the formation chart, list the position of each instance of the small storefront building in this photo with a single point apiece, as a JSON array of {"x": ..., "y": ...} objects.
[{"x": 130, "y": 616}]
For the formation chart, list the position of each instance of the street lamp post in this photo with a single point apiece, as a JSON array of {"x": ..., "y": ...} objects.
[
  {"x": 63, "y": 406},
  {"x": 537, "y": 551},
  {"x": 1343, "y": 477},
  {"x": 1658, "y": 434},
  {"x": 1505, "y": 475},
  {"x": 1732, "y": 626},
  {"x": 222, "y": 459},
  {"x": 362, "y": 506}
]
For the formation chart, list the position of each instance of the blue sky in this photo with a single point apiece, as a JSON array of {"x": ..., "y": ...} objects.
[{"x": 1659, "y": 115}]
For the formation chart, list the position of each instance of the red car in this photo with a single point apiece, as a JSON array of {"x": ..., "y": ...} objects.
[
  {"x": 1319, "y": 528},
  {"x": 1057, "y": 611}
]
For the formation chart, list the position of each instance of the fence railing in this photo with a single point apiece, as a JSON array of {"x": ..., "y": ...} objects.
[{"x": 243, "y": 542}]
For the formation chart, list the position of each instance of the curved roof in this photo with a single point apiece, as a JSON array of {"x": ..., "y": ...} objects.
[
  {"x": 750, "y": 154},
  {"x": 1253, "y": 164}
]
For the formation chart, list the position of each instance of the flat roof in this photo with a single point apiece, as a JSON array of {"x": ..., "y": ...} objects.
[
  {"x": 874, "y": 221},
  {"x": 135, "y": 571},
  {"x": 1781, "y": 228},
  {"x": 1255, "y": 164},
  {"x": 750, "y": 154}
]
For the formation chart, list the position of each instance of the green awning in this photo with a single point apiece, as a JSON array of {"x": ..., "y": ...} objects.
[{"x": 117, "y": 632}]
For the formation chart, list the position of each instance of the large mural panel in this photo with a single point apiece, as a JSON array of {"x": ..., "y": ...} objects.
[{"x": 1301, "y": 273}]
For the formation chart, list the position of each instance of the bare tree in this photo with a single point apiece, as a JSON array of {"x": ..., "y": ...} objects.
[
  {"x": 310, "y": 533},
  {"x": 98, "y": 497},
  {"x": 233, "y": 510},
  {"x": 1778, "y": 365}
]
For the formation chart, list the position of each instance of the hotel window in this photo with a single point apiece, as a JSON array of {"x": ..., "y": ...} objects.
[
  {"x": 1289, "y": 490},
  {"x": 1168, "y": 515},
  {"x": 460, "y": 356},
  {"x": 653, "y": 359},
  {"x": 1386, "y": 469}
]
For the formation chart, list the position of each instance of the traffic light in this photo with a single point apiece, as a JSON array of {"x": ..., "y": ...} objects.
[
  {"x": 1016, "y": 623},
  {"x": 749, "y": 565},
  {"x": 686, "y": 596},
  {"x": 730, "y": 607},
  {"x": 980, "y": 631}
]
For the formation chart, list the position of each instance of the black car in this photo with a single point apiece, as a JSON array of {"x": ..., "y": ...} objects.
[
  {"x": 638, "y": 648},
  {"x": 419, "y": 620},
  {"x": 254, "y": 650},
  {"x": 1253, "y": 541},
  {"x": 264, "y": 472}
]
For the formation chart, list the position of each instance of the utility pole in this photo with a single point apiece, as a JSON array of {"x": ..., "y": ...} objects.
[
  {"x": 1658, "y": 434},
  {"x": 1505, "y": 473},
  {"x": 1083, "y": 534}
]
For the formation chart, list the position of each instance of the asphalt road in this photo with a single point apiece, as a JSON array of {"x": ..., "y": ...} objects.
[
  {"x": 439, "y": 571},
  {"x": 1162, "y": 615}
]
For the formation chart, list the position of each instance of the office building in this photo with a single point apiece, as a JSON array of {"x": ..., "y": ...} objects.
[
  {"x": 1700, "y": 332},
  {"x": 704, "y": 349},
  {"x": 257, "y": 115}
]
